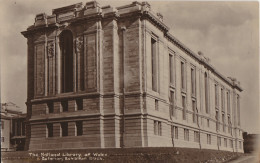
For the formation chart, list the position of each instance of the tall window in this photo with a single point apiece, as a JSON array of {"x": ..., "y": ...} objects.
[
  {"x": 225, "y": 142},
  {"x": 206, "y": 92},
  {"x": 3, "y": 124},
  {"x": 229, "y": 124},
  {"x": 156, "y": 103},
  {"x": 196, "y": 136},
  {"x": 223, "y": 121},
  {"x": 183, "y": 108},
  {"x": 217, "y": 120},
  {"x": 228, "y": 103},
  {"x": 154, "y": 65},
  {"x": 222, "y": 100},
  {"x": 238, "y": 110},
  {"x": 172, "y": 108},
  {"x": 182, "y": 76},
  {"x": 49, "y": 130},
  {"x": 50, "y": 107},
  {"x": 66, "y": 45},
  {"x": 64, "y": 106},
  {"x": 219, "y": 141},
  {"x": 157, "y": 128},
  {"x": 193, "y": 82},
  {"x": 216, "y": 95},
  {"x": 171, "y": 71}
]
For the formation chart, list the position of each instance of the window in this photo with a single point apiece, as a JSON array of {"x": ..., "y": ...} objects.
[
  {"x": 228, "y": 103},
  {"x": 157, "y": 128},
  {"x": 219, "y": 141},
  {"x": 193, "y": 82},
  {"x": 49, "y": 130},
  {"x": 183, "y": 108},
  {"x": 229, "y": 125},
  {"x": 208, "y": 139},
  {"x": 50, "y": 107},
  {"x": 66, "y": 46},
  {"x": 216, "y": 120},
  {"x": 216, "y": 95},
  {"x": 231, "y": 143},
  {"x": 208, "y": 122},
  {"x": 240, "y": 145},
  {"x": 64, "y": 129},
  {"x": 223, "y": 121},
  {"x": 225, "y": 142},
  {"x": 79, "y": 128},
  {"x": 186, "y": 134},
  {"x": 175, "y": 132},
  {"x": 154, "y": 65},
  {"x": 196, "y": 136},
  {"x": 222, "y": 100},
  {"x": 171, "y": 68},
  {"x": 156, "y": 104},
  {"x": 194, "y": 117},
  {"x": 79, "y": 103},
  {"x": 172, "y": 105},
  {"x": 3, "y": 124},
  {"x": 238, "y": 110},
  {"x": 206, "y": 92},
  {"x": 182, "y": 75},
  {"x": 64, "y": 106}
]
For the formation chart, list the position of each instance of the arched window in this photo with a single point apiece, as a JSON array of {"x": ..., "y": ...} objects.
[
  {"x": 206, "y": 92},
  {"x": 66, "y": 46}
]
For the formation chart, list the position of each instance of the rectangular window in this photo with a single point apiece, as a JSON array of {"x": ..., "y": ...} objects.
[
  {"x": 225, "y": 142},
  {"x": 175, "y": 132},
  {"x": 172, "y": 105},
  {"x": 49, "y": 130},
  {"x": 157, "y": 128},
  {"x": 186, "y": 134},
  {"x": 154, "y": 65},
  {"x": 219, "y": 141},
  {"x": 229, "y": 124},
  {"x": 193, "y": 82},
  {"x": 183, "y": 108},
  {"x": 228, "y": 103},
  {"x": 208, "y": 139},
  {"x": 231, "y": 143},
  {"x": 3, "y": 124},
  {"x": 196, "y": 136},
  {"x": 64, "y": 106},
  {"x": 79, "y": 103},
  {"x": 222, "y": 100},
  {"x": 238, "y": 110},
  {"x": 240, "y": 145},
  {"x": 2, "y": 139},
  {"x": 216, "y": 96},
  {"x": 194, "y": 117},
  {"x": 156, "y": 104},
  {"x": 182, "y": 76},
  {"x": 50, "y": 107},
  {"x": 223, "y": 121},
  {"x": 64, "y": 129},
  {"x": 208, "y": 122},
  {"x": 171, "y": 68},
  {"x": 79, "y": 128}
]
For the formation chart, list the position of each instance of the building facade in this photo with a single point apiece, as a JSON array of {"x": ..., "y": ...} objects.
[
  {"x": 12, "y": 127},
  {"x": 102, "y": 77}
]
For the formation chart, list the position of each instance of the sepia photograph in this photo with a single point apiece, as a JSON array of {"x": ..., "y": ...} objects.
[{"x": 129, "y": 81}]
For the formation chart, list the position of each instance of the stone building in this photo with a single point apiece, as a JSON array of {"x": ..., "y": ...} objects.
[
  {"x": 12, "y": 127},
  {"x": 104, "y": 77}
]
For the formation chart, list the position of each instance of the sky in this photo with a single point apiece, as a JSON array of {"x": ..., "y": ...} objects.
[{"x": 226, "y": 31}]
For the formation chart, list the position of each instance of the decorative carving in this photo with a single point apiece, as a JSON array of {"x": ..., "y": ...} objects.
[
  {"x": 79, "y": 44},
  {"x": 50, "y": 49}
]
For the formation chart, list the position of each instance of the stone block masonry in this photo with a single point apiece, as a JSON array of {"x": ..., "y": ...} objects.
[{"x": 105, "y": 77}]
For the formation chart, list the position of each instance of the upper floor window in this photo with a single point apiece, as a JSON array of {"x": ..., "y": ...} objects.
[
  {"x": 228, "y": 103},
  {"x": 193, "y": 82},
  {"x": 182, "y": 75},
  {"x": 222, "y": 100},
  {"x": 66, "y": 46},
  {"x": 206, "y": 92},
  {"x": 183, "y": 108},
  {"x": 216, "y": 95},
  {"x": 154, "y": 65},
  {"x": 238, "y": 110},
  {"x": 171, "y": 68},
  {"x": 172, "y": 104}
]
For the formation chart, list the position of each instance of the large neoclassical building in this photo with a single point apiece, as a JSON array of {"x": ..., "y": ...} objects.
[{"x": 104, "y": 77}]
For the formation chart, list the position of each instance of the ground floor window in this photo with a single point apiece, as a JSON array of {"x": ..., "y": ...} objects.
[
  {"x": 208, "y": 139},
  {"x": 196, "y": 136},
  {"x": 49, "y": 130},
  {"x": 64, "y": 129},
  {"x": 186, "y": 134},
  {"x": 157, "y": 128},
  {"x": 175, "y": 132},
  {"x": 79, "y": 128},
  {"x": 225, "y": 142}
]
